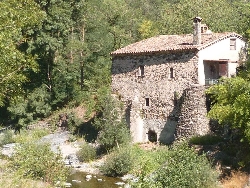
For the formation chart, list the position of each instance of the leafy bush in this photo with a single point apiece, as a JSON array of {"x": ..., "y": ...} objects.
[
  {"x": 113, "y": 130},
  {"x": 86, "y": 153},
  {"x": 118, "y": 163},
  {"x": 37, "y": 161},
  {"x": 147, "y": 161},
  {"x": 182, "y": 168},
  {"x": 34, "y": 107},
  {"x": 71, "y": 119},
  {"x": 205, "y": 140},
  {"x": 7, "y": 137}
]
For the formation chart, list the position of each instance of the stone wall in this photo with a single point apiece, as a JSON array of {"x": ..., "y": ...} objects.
[
  {"x": 154, "y": 93},
  {"x": 192, "y": 119}
]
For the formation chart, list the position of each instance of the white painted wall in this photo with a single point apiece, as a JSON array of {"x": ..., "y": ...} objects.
[{"x": 217, "y": 51}]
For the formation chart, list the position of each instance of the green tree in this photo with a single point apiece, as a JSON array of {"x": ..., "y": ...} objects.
[
  {"x": 33, "y": 107},
  {"x": 220, "y": 16},
  {"x": 231, "y": 104},
  {"x": 113, "y": 130},
  {"x": 17, "y": 20}
]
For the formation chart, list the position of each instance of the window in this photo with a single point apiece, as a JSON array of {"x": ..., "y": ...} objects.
[
  {"x": 171, "y": 73},
  {"x": 232, "y": 44},
  {"x": 141, "y": 70},
  {"x": 147, "y": 101}
]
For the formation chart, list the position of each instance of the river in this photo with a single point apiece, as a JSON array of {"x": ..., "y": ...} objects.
[{"x": 84, "y": 180}]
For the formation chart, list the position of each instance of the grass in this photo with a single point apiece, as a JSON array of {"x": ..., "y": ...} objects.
[
  {"x": 30, "y": 135},
  {"x": 9, "y": 180}
]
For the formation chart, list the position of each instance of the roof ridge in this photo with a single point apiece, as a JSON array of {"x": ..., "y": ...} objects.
[{"x": 164, "y": 43}]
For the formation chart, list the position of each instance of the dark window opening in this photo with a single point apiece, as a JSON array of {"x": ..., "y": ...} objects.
[
  {"x": 141, "y": 70},
  {"x": 171, "y": 73},
  {"x": 152, "y": 136},
  {"x": 147, "y": 101},
  {"x": 232, "y": 44}
]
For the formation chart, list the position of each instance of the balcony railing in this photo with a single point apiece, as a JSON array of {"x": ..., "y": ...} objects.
[{"x": 210, "y": 81}]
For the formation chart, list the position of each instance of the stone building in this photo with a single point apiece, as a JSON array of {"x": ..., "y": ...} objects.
[{"x": 162, "y": 80}]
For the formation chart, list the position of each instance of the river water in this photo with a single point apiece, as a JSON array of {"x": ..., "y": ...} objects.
[{"x": 83, "y": 180}]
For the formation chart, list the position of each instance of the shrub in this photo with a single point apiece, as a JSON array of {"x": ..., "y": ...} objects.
[
  {"x": 114, "y": 135},
  {"x": 71, "y": 121},
  {"x": 118, "y": 163},
  {"x": 205, "y": 140},
  {"x": 184, "y": 168},
  {"x": 7, "y": 137},
  {"x": 113, "y": 130},
  {"x": 86, "y": 153},
  {"x": 147, "y": 161},
  {"x": 37, "y": 161},
  {"x": 34, "y": 107}
]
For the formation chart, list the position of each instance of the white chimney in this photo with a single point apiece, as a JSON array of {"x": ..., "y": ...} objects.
[{"x": 197, "y": 31}]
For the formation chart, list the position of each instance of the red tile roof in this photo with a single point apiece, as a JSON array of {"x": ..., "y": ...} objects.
[{"x": 163, "y": 43}]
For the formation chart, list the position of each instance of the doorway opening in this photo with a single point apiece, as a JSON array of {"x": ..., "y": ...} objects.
[{"x": 152, "y": 136}]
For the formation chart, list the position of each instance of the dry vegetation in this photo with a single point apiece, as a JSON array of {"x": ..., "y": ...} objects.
[{"x": 237, "y": 179}]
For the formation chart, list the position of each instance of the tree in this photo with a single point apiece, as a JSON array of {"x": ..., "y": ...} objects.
[
  {"x": 231, "y": 104},
  {"x": 220, "y": 16},
  {"x": 18, "y": 18},
  {"x": 113, "y": 130}
]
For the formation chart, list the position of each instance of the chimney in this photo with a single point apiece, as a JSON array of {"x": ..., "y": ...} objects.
[{"x": 197, "y": 31}]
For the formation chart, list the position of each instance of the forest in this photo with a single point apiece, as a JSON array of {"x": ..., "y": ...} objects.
[
  {"x": 56, "y": 55},
  {"x": 57, "y": 52}
]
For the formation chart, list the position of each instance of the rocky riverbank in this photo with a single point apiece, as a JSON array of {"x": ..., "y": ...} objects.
[{"x": 59, "y": 142}]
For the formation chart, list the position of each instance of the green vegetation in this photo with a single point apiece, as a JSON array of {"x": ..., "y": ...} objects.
[
  {"x": 87, "y": 153},
  {"x": 174, "y": 166},
  {"x": 231, "y": 105},
  {"x": 55, "y": 56},
  {"x": 37, "y": 161},
  {"x": 7, "y": 137},
  {"x": 32, "y": 135},
  {"x": 179, "y": 166},
  {"x": 208, "y": 139},
  {"x": 113, "y": 130},
  {"x": 119, "y": 162}
]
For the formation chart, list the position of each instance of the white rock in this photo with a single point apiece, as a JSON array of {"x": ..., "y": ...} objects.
[
  {"x": 119, "y": 183},
  {"x": 76, "y": 181},
  {"x": 89, "y": 176}
]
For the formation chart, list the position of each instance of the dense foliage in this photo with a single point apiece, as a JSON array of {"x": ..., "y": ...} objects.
[
  {"x": 17, "y": 18},
  {"x": 37, "y": 161},
  {"x": 119, "y": 162},
  {"x": 182, "y": 167},
  {"x": 63, "y": 46},
  {"x": 231, "y": 105},
  {"x": 175, "y": 166},
  {"x": 113, "y": 130},
  {"x": 86, "y": 153},
  {"x": 57, "y": 53}
]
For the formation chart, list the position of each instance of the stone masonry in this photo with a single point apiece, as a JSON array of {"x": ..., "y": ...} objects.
[
  {"x": 153, "y": 84},
  {"x": 192, "y": 119}
]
